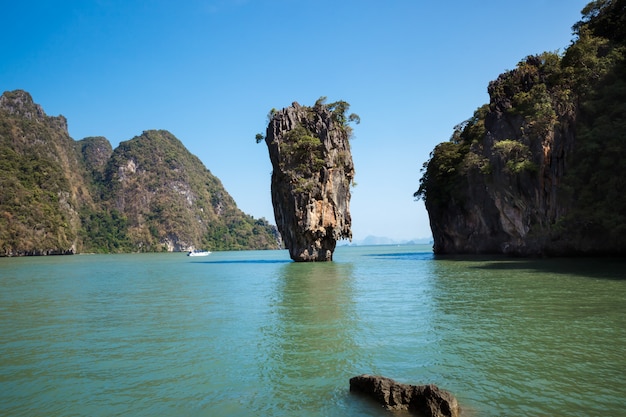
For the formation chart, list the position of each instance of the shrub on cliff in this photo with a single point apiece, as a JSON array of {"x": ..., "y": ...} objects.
[{"x": 312, "y": 173}]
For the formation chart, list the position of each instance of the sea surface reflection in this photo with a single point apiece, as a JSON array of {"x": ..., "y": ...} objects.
[{"x": 252, "y": 333}]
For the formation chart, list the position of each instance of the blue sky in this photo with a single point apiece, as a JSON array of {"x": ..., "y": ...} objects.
[{"x": 209, "y": 71}]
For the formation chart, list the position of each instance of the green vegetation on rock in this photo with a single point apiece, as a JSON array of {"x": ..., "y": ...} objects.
[
  {"x": 150, "y": 194},
  {"x": 309, "y": 147},
  {"x": 40, "y": 193},
  {"x": 545, "y": 156},
  {"x": 302, "y": 150}
]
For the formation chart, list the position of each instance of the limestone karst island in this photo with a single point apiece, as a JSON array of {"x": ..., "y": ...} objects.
[
  {"x": 150, "y": 194},
  {"x": 540, "y": 170},
  {"x": 312, "y": 173}
]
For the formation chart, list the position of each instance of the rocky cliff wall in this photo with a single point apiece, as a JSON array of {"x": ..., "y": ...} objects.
[
  {"x": 42, "y": 181},
  {"x": 539, "y": 170},
  {"x": 507, "y": 198},
  {"x": 312, "y": 173}
]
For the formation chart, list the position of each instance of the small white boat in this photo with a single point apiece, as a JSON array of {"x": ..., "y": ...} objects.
[{"x": 198, "y": 253}]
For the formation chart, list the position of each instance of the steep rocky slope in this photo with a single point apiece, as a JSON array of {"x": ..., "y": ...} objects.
[
  {"x": 42, "y": 183},
  {"x": 62, "y": 196},
  {"x": 311, "y": 178},
  {"x": 539, "y": 170},
  {"x": 172, "y": 201}
]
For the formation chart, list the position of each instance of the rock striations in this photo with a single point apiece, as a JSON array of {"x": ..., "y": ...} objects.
[
  {"x": 60, "y": 196},
  {"x": 312, "y": 174},
  {"x": 424, "y": 400}
]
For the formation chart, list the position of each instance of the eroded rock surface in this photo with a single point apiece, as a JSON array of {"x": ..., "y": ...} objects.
[
  {"x": 312, "y": 174},
  {"x": 427, "y": 400}
]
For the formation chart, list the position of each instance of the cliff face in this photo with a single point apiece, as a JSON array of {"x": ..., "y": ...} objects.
[
  {"x": 312, "y": 174},
  {"x": 42, "y": 181},
  {"x": 59, "y": 196},
  {"x": 147, "y": 176},
  {"x": 539, "y": 169},
  {"x": 505, "y": 195}
]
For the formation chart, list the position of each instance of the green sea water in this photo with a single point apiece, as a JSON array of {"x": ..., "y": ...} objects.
[{"x": 254, "y": 334}]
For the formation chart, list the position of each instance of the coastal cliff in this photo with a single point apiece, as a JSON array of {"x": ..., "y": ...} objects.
[
  {"x": 60, "y": 196},
  {"x": 42, "y": 186},
  {"x": 312, "y": 173},
  {"x": 539, "y": 170}
]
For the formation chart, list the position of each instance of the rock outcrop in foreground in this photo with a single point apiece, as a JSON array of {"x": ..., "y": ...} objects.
[
  {"x": 312, "y": 174},
  {"x": 427, "y": 400}
]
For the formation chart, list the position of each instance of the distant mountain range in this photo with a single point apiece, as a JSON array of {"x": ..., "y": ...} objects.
[{"x": 380, "y": 240}]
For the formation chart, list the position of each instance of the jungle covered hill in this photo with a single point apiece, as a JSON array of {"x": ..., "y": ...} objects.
[
  {"x": 150, "y": 194},
  {"x": 540, "y": 169}
]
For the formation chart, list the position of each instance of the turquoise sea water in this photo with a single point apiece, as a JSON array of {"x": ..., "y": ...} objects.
[{"x": 254, "y": 334}]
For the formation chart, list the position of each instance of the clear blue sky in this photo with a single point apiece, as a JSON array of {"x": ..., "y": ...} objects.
[{"x": 209, "y": 71}]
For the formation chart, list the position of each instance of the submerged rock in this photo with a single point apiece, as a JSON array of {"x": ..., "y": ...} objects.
[
  {"x": 312, "y": 174},
  {"x": 429, "y": 400}
]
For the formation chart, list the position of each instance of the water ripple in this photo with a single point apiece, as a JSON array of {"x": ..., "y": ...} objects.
[{"x": 256, "y": 334}]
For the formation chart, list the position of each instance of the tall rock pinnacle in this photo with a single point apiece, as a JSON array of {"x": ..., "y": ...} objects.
[{"x": 312, "y": 174}]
